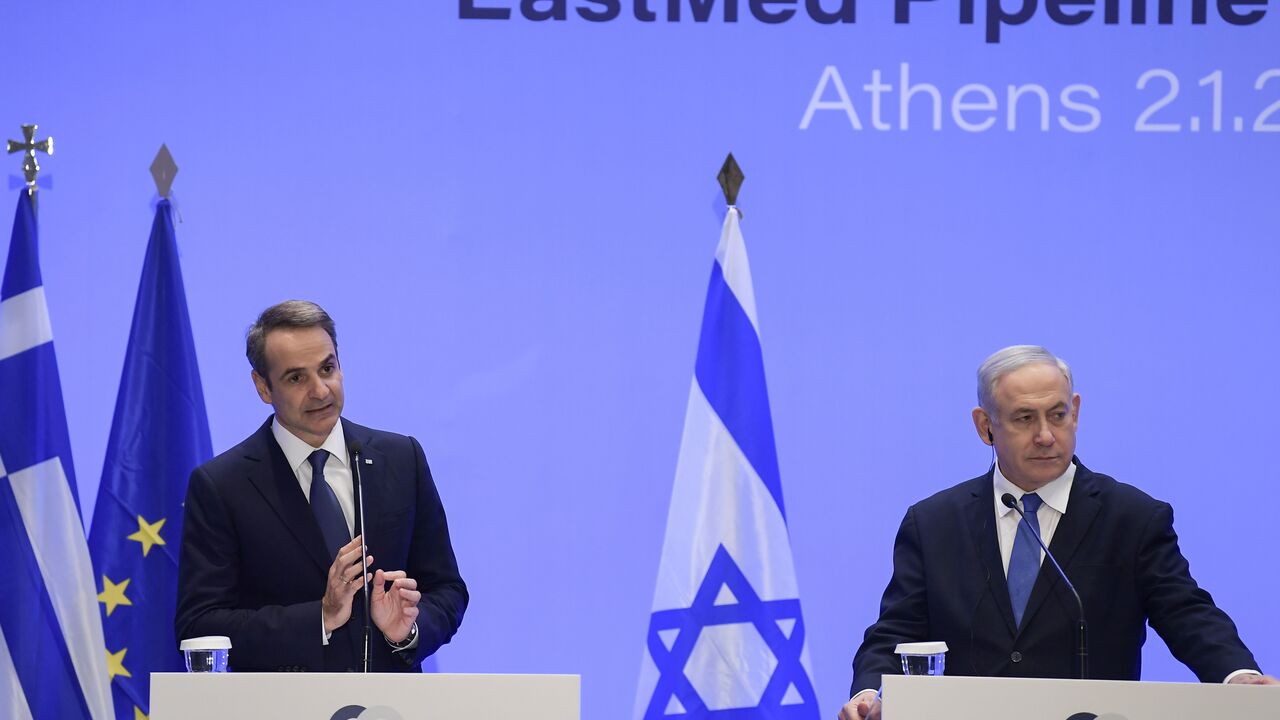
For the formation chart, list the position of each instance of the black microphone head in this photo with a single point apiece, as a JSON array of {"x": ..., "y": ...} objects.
[
  {"x": 1008, "y": 501},
  {"x": 354, "y": 448}
]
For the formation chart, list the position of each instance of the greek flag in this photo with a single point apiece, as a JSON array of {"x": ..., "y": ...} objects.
[
  {"x": 726, "y": 638},
  {"x": 51, "y": 660},
  {"x": 159, "y": 435}
]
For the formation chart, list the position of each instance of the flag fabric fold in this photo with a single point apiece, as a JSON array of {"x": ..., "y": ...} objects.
[
  {"x": 159, "y": 434},
  {"x": 51, "y": 660},
  {"x": 726, "y": 637}
]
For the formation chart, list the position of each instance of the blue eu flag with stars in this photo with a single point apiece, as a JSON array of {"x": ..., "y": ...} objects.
[
  {"x": 726, "y": 639},
  {"x": 160, "y": 433}
]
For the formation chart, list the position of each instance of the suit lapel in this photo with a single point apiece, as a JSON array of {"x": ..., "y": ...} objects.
[
  {"x": 270, "y": 473},
  {"x": 373, "y": 468},
  {"x": 981, "y": 517},
  {"x": 1082, "y": 509}
]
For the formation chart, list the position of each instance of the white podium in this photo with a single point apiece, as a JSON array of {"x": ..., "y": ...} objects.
[
  {"x": 969, "y": 698},
  {"x": 376, "y": 696}
]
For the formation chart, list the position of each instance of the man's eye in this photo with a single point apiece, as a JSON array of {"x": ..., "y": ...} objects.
[
  {"x": 326, "y": 369},
  {"x": 294, "y": 379}
]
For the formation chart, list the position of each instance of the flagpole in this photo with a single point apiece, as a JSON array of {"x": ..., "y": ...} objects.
[
  {"x": 51, "y": 661},
  {"x": 137, "y": 521},
  {"x": 726, "y": 637}
]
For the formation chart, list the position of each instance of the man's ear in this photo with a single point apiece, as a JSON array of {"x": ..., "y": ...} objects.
[
  {"x": 982, "y": 423},
  {"x": 263, "y": 387}
]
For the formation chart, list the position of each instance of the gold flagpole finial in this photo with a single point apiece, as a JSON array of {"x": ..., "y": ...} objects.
[
  {"x": 730, "y": 178},
  {"x": 163, "y": 170}
]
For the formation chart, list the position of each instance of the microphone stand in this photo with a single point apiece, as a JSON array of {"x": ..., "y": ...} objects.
[
  {"x": 364, "y": 547},
  {"x": 1082, "y": 635}
]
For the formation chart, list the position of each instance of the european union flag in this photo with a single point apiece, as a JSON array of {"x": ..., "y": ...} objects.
[
  {"x": 51, "y": 661},
  {"x": 726, "y": 638},
  {"x": 159, "y": 435}
]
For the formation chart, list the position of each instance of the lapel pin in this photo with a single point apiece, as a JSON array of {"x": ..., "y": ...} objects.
[{"x": 367, "y": 461}]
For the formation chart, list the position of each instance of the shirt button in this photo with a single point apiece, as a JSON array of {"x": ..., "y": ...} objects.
[{"x": 1016, "y": 656}]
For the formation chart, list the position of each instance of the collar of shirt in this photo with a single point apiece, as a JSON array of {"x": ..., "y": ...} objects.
[
  {"x": 337, "y": 472},
  {"x": 1055, "y": 494},
  {"x": 297, "y": 451}
]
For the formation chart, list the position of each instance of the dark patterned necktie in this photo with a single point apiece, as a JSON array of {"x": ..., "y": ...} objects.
[{"x": 324, "y": 505}]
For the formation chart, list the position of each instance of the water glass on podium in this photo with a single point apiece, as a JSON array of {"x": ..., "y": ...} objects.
[
  {"x": 206, "y": 654},
  {"x": 923, "y": 658}
]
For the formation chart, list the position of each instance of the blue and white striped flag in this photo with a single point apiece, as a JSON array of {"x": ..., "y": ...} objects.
[
  {"x": 52, "y": 663},
  {"x": 726, "y": 639}
]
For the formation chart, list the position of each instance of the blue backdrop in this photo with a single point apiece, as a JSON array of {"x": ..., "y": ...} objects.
[{"x": 513, "y": 223}]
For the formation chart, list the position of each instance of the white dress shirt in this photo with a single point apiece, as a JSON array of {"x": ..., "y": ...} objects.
[
  {"x": 337, "y": 470},
  {"x": 1055, "y": 495}
]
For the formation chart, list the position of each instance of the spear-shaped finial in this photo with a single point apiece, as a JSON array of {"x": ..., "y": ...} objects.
[
  {"x": 163, "y": 170},
  {"x": 730, "y": 178},
  {"x": 29, "y": 146}
]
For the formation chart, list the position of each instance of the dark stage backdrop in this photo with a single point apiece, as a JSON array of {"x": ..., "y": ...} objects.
[{"x": 513, "y": 222}]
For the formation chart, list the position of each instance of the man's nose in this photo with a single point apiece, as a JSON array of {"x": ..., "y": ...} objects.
[
  {"x": 1044, "y": 434},
  {"x": 318, "y": 388}
]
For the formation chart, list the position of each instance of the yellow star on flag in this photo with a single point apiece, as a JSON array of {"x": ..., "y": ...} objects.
[
  {"x": 138, "y": 714},
  {"x": 112, "y": 595},
  {"x": 148, "y": 534},
  {"x": 115, "y": 664}
]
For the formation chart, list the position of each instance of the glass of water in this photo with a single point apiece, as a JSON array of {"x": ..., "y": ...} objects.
[
  {"x": 206, "y": 654},
  {"x": 923, "y": 658}
]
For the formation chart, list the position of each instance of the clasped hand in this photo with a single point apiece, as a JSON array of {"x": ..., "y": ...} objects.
[{"x": 393, "y": 609}]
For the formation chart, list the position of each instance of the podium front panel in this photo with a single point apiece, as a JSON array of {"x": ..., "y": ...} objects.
[
  {"x": 971, "y": 698},
  {"x": 375, "y": 696}
]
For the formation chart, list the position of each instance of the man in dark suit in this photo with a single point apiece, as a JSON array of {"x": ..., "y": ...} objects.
[
  {"x": 967, "y": 571},
  {"x": 271, "y": 537}
]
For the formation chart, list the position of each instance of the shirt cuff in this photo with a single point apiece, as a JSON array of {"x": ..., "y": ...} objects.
[
  {"x": 860, "y": 693},
  {"x": 324, "y": 634},
  {"x": 1238, "y": 673}
]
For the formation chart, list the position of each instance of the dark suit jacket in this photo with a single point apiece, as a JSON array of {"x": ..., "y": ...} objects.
[
  {"x": 1117, "y": 545},
  {"x": 253, "y": 563}
]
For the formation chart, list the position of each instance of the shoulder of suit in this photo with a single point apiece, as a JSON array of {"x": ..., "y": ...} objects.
[
  {"x": 251, "y": 449},
  {"x": 381, "y": 440},
  {"x": 1112, "y": 492},
  {"x": 959, "y": 493}
]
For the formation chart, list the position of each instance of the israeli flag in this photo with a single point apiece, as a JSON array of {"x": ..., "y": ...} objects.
[
  {"x": 52, "y": 659},
  {"x": 726, "y": 638}
]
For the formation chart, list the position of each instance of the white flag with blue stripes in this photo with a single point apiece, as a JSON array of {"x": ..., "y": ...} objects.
[
  {"x": 726, "y": 639},
  {"x": 53, "y": 662}
]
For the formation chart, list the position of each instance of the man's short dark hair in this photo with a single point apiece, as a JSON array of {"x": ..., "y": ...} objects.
[{"x": 288, "y": 314}]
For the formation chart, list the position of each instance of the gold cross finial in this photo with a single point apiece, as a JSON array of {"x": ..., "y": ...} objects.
[{"x": 29, "y": 146}]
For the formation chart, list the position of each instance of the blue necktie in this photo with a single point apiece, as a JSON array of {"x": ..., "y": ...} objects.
[
  {"x": 324, "y": 505},
  {"x": 1024, "y": 563}
]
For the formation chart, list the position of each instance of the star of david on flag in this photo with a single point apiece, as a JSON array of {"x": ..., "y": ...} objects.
[
  {"x": 51, "y": 659},
  {"x": 726, "y": 638}
]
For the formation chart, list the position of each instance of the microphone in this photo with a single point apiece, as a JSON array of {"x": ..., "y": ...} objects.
[
  {"x": 1082, "y": 636},
  {"x": 354, "y": 453}
]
